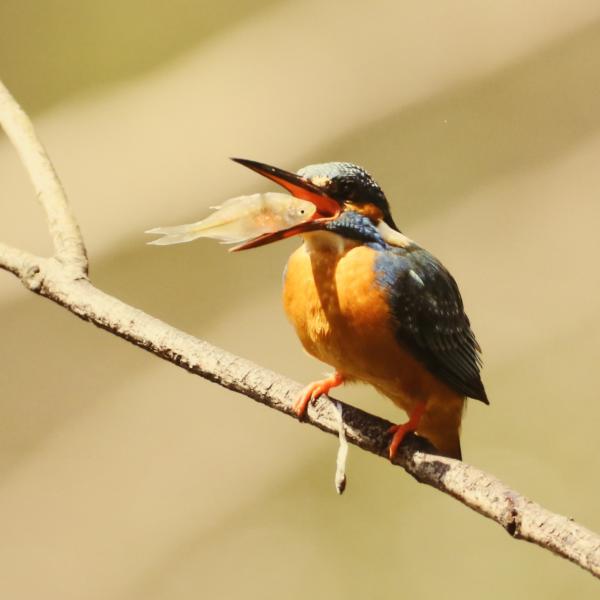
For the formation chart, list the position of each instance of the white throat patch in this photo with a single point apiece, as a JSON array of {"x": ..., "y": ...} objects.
[
  {"x": 326, "y": 241},
  {"x": 393, "y": 237}
]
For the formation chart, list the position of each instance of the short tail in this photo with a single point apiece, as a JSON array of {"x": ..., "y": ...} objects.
[
  {"x": 441, "y": 423},
  {"x": 177, "y": 234}
]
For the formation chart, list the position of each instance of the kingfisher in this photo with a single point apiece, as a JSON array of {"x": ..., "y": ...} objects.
[{"x": 374, "y": 305}]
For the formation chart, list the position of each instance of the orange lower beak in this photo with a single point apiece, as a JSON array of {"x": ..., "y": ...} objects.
[{"x": 267, "y": 238}]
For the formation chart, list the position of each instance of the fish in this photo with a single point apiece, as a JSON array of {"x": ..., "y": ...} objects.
[{"x": 240, "y": 219}]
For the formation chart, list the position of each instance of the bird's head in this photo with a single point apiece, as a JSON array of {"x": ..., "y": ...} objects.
[{"x": 346, "y": 197}]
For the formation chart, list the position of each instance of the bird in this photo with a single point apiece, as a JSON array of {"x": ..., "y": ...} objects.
[{"x": 370, "y": 302}]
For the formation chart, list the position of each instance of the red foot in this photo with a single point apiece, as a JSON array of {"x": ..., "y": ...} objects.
[
  {"x": 400, "y": 431},
  {"x": 315, "y": 389}
]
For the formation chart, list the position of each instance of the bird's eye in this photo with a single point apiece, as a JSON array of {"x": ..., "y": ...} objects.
[{"x": 301, "y": 211}]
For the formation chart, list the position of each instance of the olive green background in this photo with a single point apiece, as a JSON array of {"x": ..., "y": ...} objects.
[{"x": 122, "y": 477}]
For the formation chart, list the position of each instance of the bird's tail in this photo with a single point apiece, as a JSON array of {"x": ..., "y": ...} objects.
[{"x": 441, "y": 424}]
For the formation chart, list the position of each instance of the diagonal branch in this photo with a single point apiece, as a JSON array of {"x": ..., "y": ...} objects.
[{"x": 62, "y": 280}]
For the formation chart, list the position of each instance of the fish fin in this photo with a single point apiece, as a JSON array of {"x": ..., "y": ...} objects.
[
  {"x": 180, "y": 234},
  {"x": 177, "y": 234}
]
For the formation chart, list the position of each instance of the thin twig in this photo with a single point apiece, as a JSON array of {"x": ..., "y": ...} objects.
[
  {"x": 61, "y": 279},
  {"x": 342, "y": 454}
]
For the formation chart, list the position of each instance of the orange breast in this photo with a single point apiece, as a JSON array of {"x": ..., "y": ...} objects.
[{"x": 342, "y": 317}]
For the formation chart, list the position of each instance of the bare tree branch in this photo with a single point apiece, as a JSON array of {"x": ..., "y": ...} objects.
[
  {"x": 66, "y": 237},
  {"x": 17, "y": 261},
  {"x": 62, "y": 279}
]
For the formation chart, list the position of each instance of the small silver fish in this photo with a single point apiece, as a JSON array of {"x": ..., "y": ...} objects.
[{"x": 241, "y": 219}]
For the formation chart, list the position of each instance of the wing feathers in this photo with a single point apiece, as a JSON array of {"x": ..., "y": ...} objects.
[{"x": 430, "y": 318}]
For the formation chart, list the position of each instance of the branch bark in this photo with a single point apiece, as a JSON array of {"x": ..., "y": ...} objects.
[{"x": 63, "y": 279}]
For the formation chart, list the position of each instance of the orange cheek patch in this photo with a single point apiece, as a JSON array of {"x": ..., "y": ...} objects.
[{"x": 369, "y": 210}]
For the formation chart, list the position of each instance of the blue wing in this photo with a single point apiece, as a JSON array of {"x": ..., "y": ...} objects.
[{"x": 429, "y": 317}]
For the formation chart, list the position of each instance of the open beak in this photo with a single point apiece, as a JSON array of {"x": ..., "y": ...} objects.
[{"x": 327, "y": 208}]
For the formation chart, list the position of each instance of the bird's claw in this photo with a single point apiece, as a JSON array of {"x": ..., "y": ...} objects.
[
  {"x": 314, "y": 390},
  {"x": 399, "y": 431}
]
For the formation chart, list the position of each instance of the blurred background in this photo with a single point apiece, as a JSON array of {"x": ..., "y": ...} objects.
[{"x": 122, "y": 477}]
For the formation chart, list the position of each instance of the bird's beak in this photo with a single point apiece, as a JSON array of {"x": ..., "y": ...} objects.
[{"x": 327, "y": 208}]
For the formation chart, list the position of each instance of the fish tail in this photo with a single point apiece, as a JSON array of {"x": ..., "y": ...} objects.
[{"x": 177, "y": 234}]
